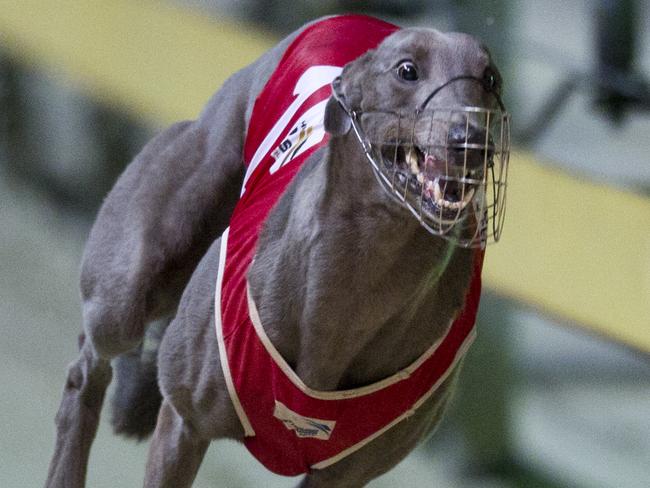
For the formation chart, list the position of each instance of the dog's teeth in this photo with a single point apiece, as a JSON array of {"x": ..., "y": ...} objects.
[
  {"x": 437, "y": 192},
  {"x": 412, "y": 160},
  {"x": 468, "y": 196},
  {"x": 439, "y": 199}
]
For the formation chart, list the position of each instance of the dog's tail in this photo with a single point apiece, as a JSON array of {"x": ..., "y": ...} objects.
[{"x": 137, "y": 399}]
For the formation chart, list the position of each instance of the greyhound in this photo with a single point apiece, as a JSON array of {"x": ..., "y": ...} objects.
[{"x": 360, "y": 266}]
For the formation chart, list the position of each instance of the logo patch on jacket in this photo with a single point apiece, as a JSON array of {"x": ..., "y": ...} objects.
[{"x": 303, "y": 426}]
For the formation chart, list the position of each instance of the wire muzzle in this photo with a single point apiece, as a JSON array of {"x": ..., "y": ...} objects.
[{"x": 447, "y": 166}]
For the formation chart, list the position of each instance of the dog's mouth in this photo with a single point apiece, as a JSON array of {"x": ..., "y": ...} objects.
[
  {"x": 444, "y": 192},
  {"x": 446, "y": 166}
]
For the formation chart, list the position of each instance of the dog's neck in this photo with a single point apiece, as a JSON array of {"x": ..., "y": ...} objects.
[{"x": 350, "y": 289}]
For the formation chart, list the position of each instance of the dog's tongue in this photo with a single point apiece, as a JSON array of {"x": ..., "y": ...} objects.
[
  {"x": 434, "y": 167},
  {"x": 443, "y": 186}
]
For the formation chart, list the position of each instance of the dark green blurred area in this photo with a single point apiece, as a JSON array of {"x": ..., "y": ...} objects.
[{"x": 540, "y": 403}]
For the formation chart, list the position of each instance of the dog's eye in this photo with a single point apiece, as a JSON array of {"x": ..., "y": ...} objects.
[
  {"x": 491, "y": 80},
  {"x": 407, "y": 71}
]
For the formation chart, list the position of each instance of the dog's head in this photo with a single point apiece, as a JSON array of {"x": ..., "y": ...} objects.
[{"x": 427, "y": 110}]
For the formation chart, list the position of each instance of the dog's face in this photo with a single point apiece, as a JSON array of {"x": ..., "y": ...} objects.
[
  {"x": 411, "y": 63},
  {"x": 429, "y": 105}
]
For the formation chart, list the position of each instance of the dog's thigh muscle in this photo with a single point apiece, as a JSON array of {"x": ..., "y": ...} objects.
[
  {"x": 166, "y": 209},
  {"x": 172, "y": 201}
]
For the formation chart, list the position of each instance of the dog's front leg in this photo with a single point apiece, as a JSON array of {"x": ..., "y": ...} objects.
[{"x": 175, "y": 453}]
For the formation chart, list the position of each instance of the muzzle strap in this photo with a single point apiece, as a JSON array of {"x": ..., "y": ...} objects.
[{"x": 480, "y": 81}]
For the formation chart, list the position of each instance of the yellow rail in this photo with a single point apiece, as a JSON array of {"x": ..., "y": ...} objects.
[
  {"x": 575, "y": 250},
  {"x": 154, "y": 60},
  {"x": 572, "y": 249}
]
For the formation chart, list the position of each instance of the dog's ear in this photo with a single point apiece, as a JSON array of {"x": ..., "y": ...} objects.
[
  {"x": 349, "y": 89},
  {"x": 337, "y": 121},
  {"x": 355, "y": 78}
]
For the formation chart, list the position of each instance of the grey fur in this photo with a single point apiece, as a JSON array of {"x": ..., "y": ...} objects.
[
  {"x": 136, "y": 398},
  {"x": 370, "y": 290}
]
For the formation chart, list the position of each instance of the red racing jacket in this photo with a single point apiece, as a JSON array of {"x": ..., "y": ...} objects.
[{"x": 290, "y": 428}]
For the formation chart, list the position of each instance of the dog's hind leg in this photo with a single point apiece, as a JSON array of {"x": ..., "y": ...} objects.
[
  {"x": 166, "y": 209},
  {"x": 88, "y": 377},
  {"x": 170, "y": 204},
  {"x": 78, "y": 418}
]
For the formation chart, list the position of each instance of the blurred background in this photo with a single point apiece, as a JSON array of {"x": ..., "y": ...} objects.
[{"x": 556, "y": 391}]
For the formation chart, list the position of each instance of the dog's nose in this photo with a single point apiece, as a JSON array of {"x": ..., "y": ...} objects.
[{"x": 468, "y": 145}]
